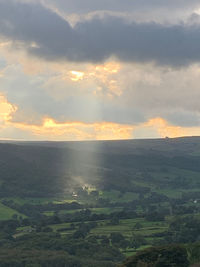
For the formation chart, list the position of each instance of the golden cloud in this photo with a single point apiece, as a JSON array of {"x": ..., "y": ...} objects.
[
  {"x": 164, "y": 128},
  {"x": 6, "y": 109},
  {"x": 75, "y": 130},
  {"x": 53, "y": 130},
  {"x": 78, "y": 130}
]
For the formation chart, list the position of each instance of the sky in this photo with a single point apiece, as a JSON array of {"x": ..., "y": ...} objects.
[{"x": 96, "y": 70}]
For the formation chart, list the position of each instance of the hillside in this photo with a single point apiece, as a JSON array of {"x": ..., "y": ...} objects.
[
  {"x": 96, "y": 203},
  {"x": 52, "y": 168}
]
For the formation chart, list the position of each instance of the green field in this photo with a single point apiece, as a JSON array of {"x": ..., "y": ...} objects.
[
  {"x": 116, "y": 196},
  {"x": 41, "y": 200},
  {"x": 93, "y": 211},
  {"x": 127, "y": 228},
  {"x": 7, "y": 213}
]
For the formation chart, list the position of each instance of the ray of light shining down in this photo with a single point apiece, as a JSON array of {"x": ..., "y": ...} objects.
[{"x": 86, "y": 162}]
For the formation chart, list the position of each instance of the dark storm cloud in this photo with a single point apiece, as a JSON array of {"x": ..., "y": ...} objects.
[
  {"x": 80, "y": 6},
  {"x": 45, "y": 34}
]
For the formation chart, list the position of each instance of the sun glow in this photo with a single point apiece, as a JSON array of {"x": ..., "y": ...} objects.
[
  {"x": 110, "y": 67},
  {"x": 76, "y": 75}
]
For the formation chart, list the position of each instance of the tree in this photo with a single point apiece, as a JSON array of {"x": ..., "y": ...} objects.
[
  {"x": 94, "y": 194},
  {"x": 137, "y": 241},
  {"x": 138, "y": 226},
  {"x": 114, "y": 221},
  {"x": 79, "y": 234},
  {"x": 116, "y": 238},
  {"x": 105, "y": 240}
]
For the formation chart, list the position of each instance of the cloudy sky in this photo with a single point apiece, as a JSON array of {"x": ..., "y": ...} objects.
[{"x": 109, "y": 69}]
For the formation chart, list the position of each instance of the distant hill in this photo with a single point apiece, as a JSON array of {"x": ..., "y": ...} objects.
[
  {"x": 187, "y": 145},
  {"x": 51, "y": 168}
]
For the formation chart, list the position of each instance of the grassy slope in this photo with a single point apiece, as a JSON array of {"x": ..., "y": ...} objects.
[
  {"x": 43, "y": 169},
  {"x": 6, "y": 213}
]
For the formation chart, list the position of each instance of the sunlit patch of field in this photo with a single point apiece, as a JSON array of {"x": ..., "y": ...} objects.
[{"x": 7, "y": 213}]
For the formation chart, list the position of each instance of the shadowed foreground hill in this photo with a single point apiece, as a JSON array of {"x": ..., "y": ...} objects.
[{"x": 166, "y": 256}]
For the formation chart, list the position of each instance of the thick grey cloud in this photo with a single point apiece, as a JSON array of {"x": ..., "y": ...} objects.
[
  {"x": 86, "y": 6},
  {"x": 45, "y": 34},
  {"x": 160, "y": 11},
  {"x": 182, "y": 117}
]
